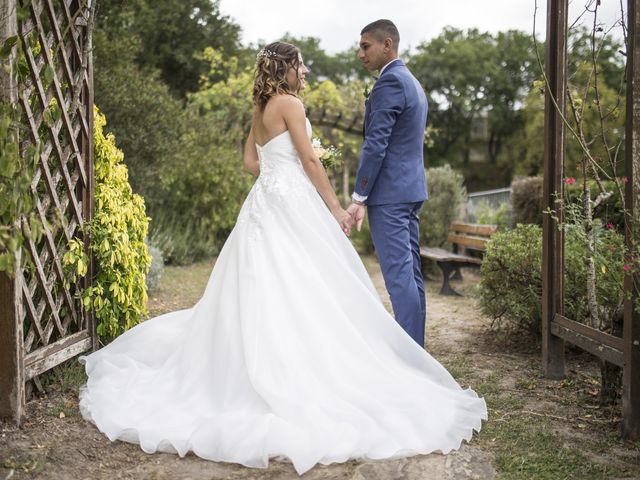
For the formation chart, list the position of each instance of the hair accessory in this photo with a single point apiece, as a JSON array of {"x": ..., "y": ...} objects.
[{"x": 266, "y": 53}]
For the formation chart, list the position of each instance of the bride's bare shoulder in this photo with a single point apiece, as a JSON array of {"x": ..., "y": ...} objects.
[{"x": 286, "y": 102}]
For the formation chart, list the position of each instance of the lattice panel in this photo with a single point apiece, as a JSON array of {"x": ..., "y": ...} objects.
[{"x": 55, "y": 101}]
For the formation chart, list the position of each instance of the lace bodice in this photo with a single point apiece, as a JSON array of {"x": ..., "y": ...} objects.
[
  {"x": 282, "y": 183},
  {"x": 280, "y": 169}
]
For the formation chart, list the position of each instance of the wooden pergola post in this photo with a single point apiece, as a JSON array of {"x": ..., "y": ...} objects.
[
  {"x": 556, "y": 328},
  {"x": 11, "y": 347},
  {"x": 11, "y": 335},
  {"x": 88, "y": 199},
  {"x": 631, "y": 334},
  {"x": 554, "y": 151}
]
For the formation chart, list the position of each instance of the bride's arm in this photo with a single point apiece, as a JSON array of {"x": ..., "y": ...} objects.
[
  {"x": 250, "y": 160},
  {"x": 294, "y": 117}
]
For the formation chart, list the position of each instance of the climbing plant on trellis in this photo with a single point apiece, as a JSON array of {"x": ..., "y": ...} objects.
[{"x": 47, "y": 79}]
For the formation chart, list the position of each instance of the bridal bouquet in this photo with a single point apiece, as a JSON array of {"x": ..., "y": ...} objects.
[{"x": 330, "y": 156}]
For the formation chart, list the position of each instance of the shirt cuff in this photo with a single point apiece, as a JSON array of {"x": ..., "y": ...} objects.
[{"x": 359, "y": 198}]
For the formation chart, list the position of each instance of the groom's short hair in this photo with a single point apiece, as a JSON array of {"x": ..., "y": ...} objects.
[{"x": 382, "y": 29}]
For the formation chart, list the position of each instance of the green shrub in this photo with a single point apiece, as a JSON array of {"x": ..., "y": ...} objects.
[
  {"x": 487, "y": 214},
  {"x": 142, "y": 113},
  {"x": 202, "y": 189},
  {"x": 526, "y": 200},
  {"x": 202, "y": 194},
  {"x": 156, "y": 268},
  {"x": 611, "y": 211},
  {"x": 185, "y": 239},
  {"x": 447, "y": 197},
  {"x": 118, "y": 293},
  {"x": 511, "y": 284}
]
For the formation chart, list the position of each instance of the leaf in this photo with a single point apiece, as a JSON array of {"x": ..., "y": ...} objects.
[
  {"x": 9, "y": 43},
  {"x": 49, "y": 120},
  {"x": 22, "y": 67},
  {"x": 31, "y": 153},
  {"x": 22, "y": 14},
  {"x": 48, "y": 74},
  {"x": 57, "y": 113},
  {"x": 5, "y": 123},
  {"x": 81, "y": 267},
  {"x": 6, "y": 261},
  {"x": 8, "y": 165}
]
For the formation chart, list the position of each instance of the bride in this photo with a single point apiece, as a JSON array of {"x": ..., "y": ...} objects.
[{"x": 289, "y": 354}]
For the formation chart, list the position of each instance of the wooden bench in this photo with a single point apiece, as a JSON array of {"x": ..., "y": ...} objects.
[{"x": 472, "y": 238}]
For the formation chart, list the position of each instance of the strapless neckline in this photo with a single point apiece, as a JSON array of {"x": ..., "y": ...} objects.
[{"x": 262, "y": 147}]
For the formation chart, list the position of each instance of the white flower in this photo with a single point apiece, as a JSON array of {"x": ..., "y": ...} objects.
[{"x": 329, "y": 156}]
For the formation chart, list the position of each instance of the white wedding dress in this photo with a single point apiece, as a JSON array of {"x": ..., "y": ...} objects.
[{"x": 289, "y": 353}]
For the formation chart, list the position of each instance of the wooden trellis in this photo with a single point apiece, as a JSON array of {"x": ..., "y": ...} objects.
[
  {"x": 556, "y": 328},
  {"x": 42, "y": 322},
  {"x": 349, "y": 125}
]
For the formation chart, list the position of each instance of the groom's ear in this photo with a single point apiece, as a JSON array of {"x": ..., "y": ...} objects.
[{"x": 388, "y": 45}]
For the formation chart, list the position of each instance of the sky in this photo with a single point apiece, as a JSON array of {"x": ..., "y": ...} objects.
[{"x": 337, "y": 23}]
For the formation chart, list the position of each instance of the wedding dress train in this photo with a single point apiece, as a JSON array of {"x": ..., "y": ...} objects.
[{"x": 288, "y": 354}]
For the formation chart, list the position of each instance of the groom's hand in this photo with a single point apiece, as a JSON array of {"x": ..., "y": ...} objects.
[
  {"x": 344, "y": 219},
  {"x": 357, "y": 213}
]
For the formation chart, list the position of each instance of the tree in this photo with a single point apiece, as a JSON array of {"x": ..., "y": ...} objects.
[
  {"x": 142, "y": 113},
  {"x": 473, "y": 74},
  {"x": 203, "y": 187},
  {"x": 512, "y": 75},
  {"x": 589, "y": 110},
  {"x": 340, "y": 68},
  {"x": 170, "y": 33}
]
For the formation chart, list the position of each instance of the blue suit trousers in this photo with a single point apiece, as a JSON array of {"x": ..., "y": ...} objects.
[{"x": 394, "y": 230}]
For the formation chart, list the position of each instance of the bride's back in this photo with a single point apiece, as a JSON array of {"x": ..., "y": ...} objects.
[{"x": 269, "y": 123}]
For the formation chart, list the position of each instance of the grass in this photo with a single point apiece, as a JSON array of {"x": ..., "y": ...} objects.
[
  {"x": 67, "y": 377},
  {"x": 28, "y": 464},
  {"x": 459, "y": 366},
  {"x": 64, "y": 408},
  {"x": 525, "y": 451},
  {"x": 526, "y": 383},
  {"x": 539, "y": 445},
  {"x": 180, "y": 287}
]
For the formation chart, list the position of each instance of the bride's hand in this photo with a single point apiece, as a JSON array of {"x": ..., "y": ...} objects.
[{"x": 344, "y": 219}]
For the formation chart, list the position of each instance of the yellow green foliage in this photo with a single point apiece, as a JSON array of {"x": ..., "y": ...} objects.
[{"x": 118, "y": 294}]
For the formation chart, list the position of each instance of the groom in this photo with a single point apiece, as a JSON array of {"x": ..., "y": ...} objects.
[{"x": 390, "y": 180}]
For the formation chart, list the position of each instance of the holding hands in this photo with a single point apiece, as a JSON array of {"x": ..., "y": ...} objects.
[
  {"x": 356, "y": 210},
  {"x": 353, "y": 215},
  {"x": 344, "y": 219}
]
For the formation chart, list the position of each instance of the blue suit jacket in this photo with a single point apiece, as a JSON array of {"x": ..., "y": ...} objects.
[{"x": 391, "y": 166}]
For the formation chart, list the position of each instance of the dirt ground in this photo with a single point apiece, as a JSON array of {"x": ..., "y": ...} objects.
[{"x": 54, "y": 442}]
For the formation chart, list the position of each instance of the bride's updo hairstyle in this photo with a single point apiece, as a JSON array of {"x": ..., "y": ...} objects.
[{"x": 272, "y": 64}]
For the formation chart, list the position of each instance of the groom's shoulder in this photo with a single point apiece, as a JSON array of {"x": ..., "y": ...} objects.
[
  {"x": 392, "y": 75},
  {"x": 397, "y": 71},
  {"x": 399, "y": 77}
]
